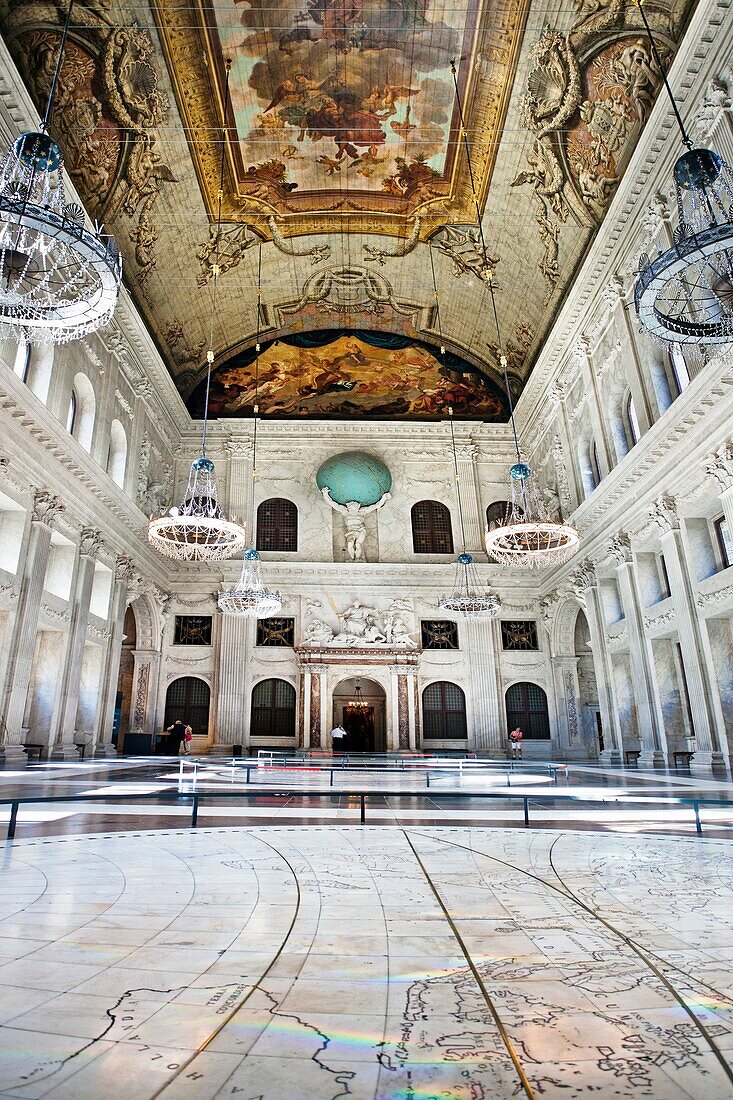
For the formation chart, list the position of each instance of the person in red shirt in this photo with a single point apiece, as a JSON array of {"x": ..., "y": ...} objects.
[{"x": 515, "y": 740}]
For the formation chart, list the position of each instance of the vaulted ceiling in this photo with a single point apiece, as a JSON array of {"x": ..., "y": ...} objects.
[{"x": 346, "y": 178}]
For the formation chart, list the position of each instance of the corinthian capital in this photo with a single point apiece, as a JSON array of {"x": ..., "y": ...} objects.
[
  {"x": 90, "y": 542},
  {"x": 664, "y": 513},
  {"x": 123, "y": 568},
  {"x": 620, "y": 548},
  {"x": 582, "y": 579},
  {"x": 46, "y": 507},
  {"x": 719, "y": 465},
  {"x": 581, "y": 350}
]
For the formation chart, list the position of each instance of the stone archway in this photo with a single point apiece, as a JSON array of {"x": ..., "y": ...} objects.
[{"x": 366, "y": 729}]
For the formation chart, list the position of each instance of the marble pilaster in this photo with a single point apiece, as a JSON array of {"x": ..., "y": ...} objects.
[
  {"x": 64, "y": 726},
  {"x": 488, "y": 734},
  {"x": 584, "y": 582},
  {"x": 34, "y": 556},
  {"x": 600, "y": 431},
  {"x": 646, "y": 695},
  {"x": 111, "y": 666},
  {"x": 232, "y": 701},
  {"x": 693, "y": 640}
]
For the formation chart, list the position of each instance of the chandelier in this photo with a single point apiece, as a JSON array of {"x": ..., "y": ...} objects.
[
  {"x": 529, "y": 535},
  {"x": 358, "y": 702},
  {"x": 198, "y": 530},
  {"x": 685, "y": 294},
  {"x": 468, "y": 598},
  {"x": 58, "y": 280},
  {"x": 249, "y": 596}
]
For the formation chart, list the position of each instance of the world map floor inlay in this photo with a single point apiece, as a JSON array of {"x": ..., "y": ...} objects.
[{"x": 287, "y": 963}]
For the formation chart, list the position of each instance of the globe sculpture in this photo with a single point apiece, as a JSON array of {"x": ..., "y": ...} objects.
[{"x": 354, "y": 475}]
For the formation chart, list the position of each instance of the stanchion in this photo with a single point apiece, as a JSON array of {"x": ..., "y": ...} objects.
[
  {"x": 195, "y": 811},
  {"x": 526, "y": 813},
  {"x": 362, "y": 807},
  {"x": 13, "y": 819},
  {"x": 698, "y": 823}
]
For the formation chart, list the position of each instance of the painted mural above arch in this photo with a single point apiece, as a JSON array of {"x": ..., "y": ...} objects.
[{"x": 346, "y": 372}]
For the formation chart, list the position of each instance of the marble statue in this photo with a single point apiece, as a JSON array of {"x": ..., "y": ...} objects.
[
  {"x": 397, "y": 632},
  {"x": 318, "y": 633},
  {"x": 354, "y": 514}
]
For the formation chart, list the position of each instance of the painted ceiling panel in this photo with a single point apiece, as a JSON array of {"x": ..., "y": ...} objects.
[{"x": 345, "y": 174}]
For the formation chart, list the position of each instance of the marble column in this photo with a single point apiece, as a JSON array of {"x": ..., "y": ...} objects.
[
  {"x": 646, "y": 695},
  {"x": 232, "y": 702},
  {"x": 584, "y": 583},
  {"x": 401, "y": 707},
  {"x": 601, "y": 434},
  {"x": 111, "y": 666},
  {"x": 416, "y": 712},
  {"x": 22, "y": 641},
  {"x": 70, "y": 680},
  {"x": 696, "y": 658},
  {"x": 317, "y": 676},
  {"x": 488, "y": 735}
]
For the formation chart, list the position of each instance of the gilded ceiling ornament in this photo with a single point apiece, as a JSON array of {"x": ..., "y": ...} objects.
[
  {"x": 347, "y": 290},
  {"x": 381, "y": 255},
  {"x": 464, "y": 248},
  {"x": 227, "y": 246},
  {"x": 317, "y": 253}
]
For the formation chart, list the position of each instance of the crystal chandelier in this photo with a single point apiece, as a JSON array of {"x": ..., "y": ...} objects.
[
  {"x": 358, "y": 702},
  {"x": 468, "y": 598},
  {"x": 529, "y": 536},
  {"x": 249, "y": 596},
  {"x": 58, "y": 280},
  {"x": 685, "y": 294},
  {"x": 198, "y": 530}
]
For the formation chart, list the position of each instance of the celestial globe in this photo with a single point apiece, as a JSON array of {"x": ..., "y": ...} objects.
[{"x": 354, "y": 475}]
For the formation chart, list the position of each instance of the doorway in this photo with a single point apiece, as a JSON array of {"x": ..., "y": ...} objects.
[{"x": 365, "y": 725}]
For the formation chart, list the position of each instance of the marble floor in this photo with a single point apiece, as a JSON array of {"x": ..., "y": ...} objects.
[{"x": 283, "y": 963}]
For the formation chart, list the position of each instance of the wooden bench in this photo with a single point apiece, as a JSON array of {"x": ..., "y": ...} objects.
[
  {"x": 33, "y": 752},
  {"x": 684, "y": 756},
  {"x": 632, "y": 757}
]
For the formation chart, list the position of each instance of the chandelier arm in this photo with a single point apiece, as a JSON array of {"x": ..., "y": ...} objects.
[
  {"x": 685, "y": 138},
  {"x": 215, "y": 266},
  {"x": 46, "y": 121}
]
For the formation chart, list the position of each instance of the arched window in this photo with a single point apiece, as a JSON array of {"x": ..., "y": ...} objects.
[
  {"x": 595, "y": 464},
  {"x": 117, "y": 456},
  {"x": 496, "y": 512},
  {"x": 71, "y": 415},
  {"x": 22, "y": 362},
  {"x": 590, "y": 469},
  {"x": 277, "y": 525},
  {"x": 188, "y": 699},
  {"x": 526, "y": 707},
  {"x": 678, "y": 365},
  {"x": 82, "y": 407},
  {"x": 632, "y": 422},
  {"x": 431, "y": 528},
  {"x": 444, "y": 712},
  {"x": 273, "y": 709}
]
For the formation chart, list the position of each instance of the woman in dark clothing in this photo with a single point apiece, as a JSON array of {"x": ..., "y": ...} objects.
[{"x": 176, "y": 734}]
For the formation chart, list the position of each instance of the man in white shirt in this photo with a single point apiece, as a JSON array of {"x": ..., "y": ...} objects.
[{"x": 337, "y": 736}]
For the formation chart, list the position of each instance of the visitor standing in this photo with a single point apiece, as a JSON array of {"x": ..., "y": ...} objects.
[
  {"x": 187, "y": 739},
  {"x": 337, "y": 737},
  {"x": 515, "y": 741},
  {"x": 176, "y": 734}
]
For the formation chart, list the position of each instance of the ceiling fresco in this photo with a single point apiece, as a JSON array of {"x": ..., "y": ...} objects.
[
  {"x": 345, "y": 174},
  {"x": 349, "y": 374}
]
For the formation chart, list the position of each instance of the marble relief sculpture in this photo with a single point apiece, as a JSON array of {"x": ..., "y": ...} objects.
[{"x": 361, "y": 625}]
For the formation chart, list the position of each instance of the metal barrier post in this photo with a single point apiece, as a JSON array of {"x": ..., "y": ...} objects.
[
  {"x": 526, "y": 813},
  {"x": 249, "y": 774},
  {"x": 13, "y": 819},
  {"x": 362, "y": 807},
  {"x": 698, "y": 823},
  {"x": 330, "y": 781},
  {"x": 195, "y": 811},
  {"x": 427, "y": 778}
]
